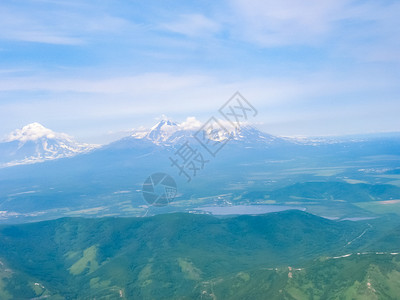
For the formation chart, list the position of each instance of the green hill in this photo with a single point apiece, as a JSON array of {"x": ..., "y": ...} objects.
[
  {"x": 177, "y": 256},
  {"x": 363, "y": 277}
]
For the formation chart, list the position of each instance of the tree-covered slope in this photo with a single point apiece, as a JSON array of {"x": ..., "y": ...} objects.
[{"x": 171, "y": 256}]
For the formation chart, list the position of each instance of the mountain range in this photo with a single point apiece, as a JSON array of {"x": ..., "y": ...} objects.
[
  {"x": 252, "y": 168},
  {"x": 35, "y": 143}
]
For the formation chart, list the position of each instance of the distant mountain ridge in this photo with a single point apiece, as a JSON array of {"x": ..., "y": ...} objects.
[
  {"x": 36, "y": 143},
  {"x": 168, "y": 132}
]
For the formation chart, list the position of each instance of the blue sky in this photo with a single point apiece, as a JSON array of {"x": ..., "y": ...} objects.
[{"x": 95, "y": 69}]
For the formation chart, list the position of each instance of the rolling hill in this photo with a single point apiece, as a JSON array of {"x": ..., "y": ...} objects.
[{"x": 187, "y": 256}]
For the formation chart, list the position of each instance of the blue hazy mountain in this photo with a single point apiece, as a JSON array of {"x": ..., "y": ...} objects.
[{"x": 253, "y": 167}]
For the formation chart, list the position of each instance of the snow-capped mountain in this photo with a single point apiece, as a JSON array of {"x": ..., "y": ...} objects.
[
  {"x": 36, "y": 143},
  {"x": 161, "y": 133},
  {"x": 167, "y": 132}
]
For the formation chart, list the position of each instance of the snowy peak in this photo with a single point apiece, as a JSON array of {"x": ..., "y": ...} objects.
[
  {"x": 162, "y": 131},
  {"x": 167, "y": 132},
  {"x": 36, "y": 143},
  {"x": 165, "y": 124}
]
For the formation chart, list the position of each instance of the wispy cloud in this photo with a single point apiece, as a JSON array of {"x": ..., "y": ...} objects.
[
  {"x": 117, "y": 64},
  {"x": 193, "y": 25},
  {"x": 57, "y": 24},
  {"x": 277, "y": 23},
  {"x": 127, "y": 98},
  {"x": 363, "y": 29},
  {"x": 140, "y": 84}
]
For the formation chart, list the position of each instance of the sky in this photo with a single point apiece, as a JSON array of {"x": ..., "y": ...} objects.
[{"x": 97, "y": 69}]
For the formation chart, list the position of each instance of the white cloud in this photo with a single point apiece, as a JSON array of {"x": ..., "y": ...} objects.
[
  {"x": 33, "y": 132},
  {"x": 365, "y": 30},
  {"x": 43, "y": 37},
  {"x": 193, "y": 25},
  {"x": 196, "y": 70},
  {"x": 191, "y": 123},
  {"x": 134, "y": 85},
  {"x": 56, "y": 24},
  {"x": 145, "y": 96},
  {"x": 276, "y": 23}
]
